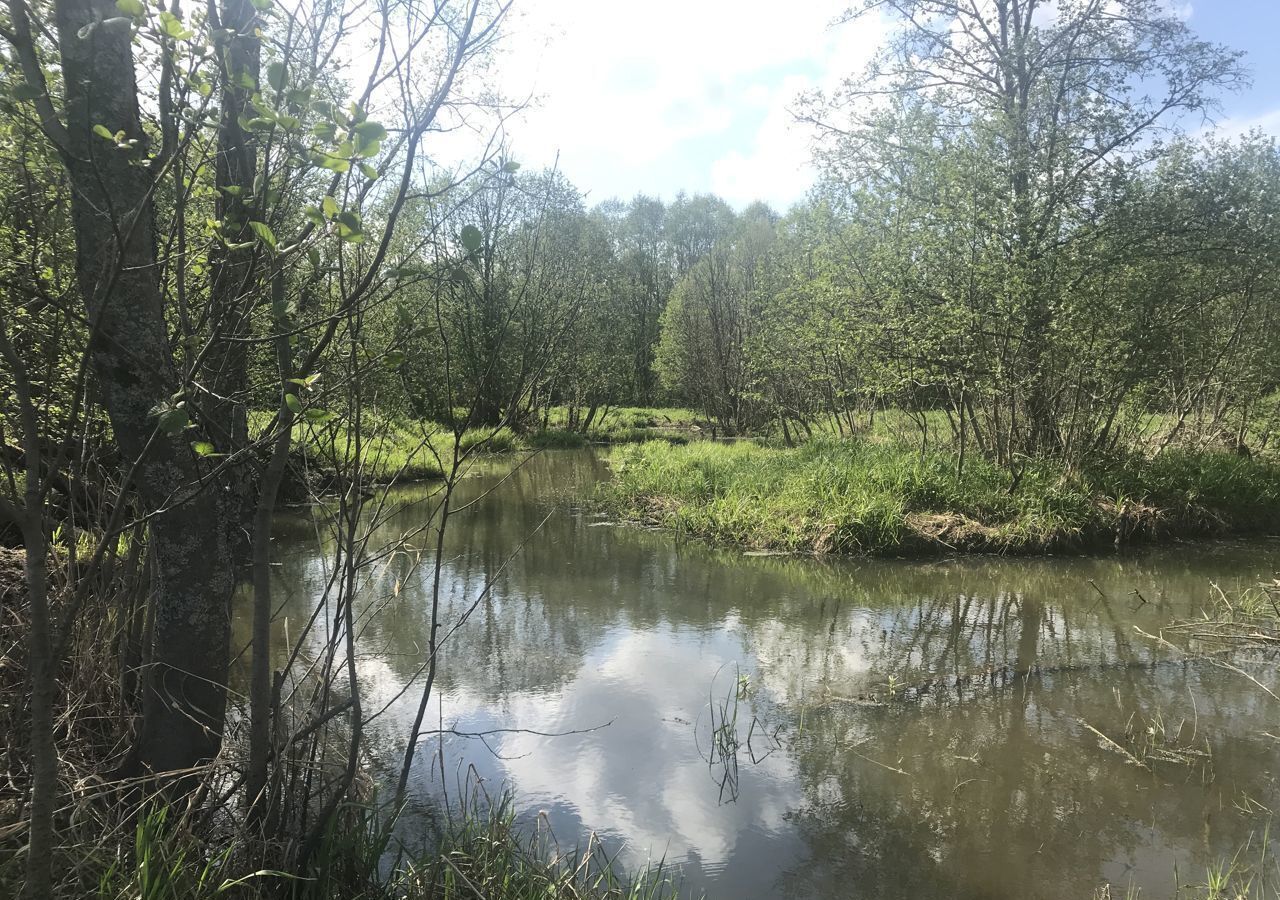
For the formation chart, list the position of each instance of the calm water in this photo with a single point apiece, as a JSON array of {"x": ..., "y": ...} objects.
[{"x": 991, "y": 786}]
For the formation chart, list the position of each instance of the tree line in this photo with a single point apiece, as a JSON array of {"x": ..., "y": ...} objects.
[{"x": 1020, "y": 229}]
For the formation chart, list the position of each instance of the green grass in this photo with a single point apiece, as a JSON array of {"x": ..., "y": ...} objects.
[
  {"x": 480, "y": 853},
  {"x": 412, "y": 450},
  {"x": 620, "y": 425},
  {"x": 878, "y": 497},
  {"x": 391, "y": 448}
]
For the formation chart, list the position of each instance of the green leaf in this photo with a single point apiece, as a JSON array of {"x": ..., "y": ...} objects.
[
  {"x": 369, "y": 171},
  {"x": 370, "y": 131},
  {"x": 332, "y": 163},
  {"x": 203, "y": 448},
  {"x": 313, "y": 254},
  {"x": 472, "y": 239},
  {"x": 131, "y": 8},
  {"x": 393, "y": 359},
  {"x": 329, "y": 205},
  {"x": 316, "y": 416},
  {"x": 264, "y": 233},
  {"x": 306, "y": 383},
  {"x": 103, "y": 131},
  {"x": 172, "y": 26},
  {"x": 325, "y": 131},
  {"x": 511, "y": 167},
  {"x": 276, "y": 76},
  {"x": 349, "y": 227},
  {"x": 367, "y": 138},
  {"x": 172, "y": 419},
  {"x": 261, "y": 5},
  {"x": 294, "y": 404}
]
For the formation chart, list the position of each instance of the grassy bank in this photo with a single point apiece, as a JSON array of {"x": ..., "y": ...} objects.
[
  {"x": 414, "y": 450},
  {"x": 882, "y": 498}
]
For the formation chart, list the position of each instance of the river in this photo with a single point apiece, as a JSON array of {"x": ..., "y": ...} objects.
[{"x": 783, "y": 727}]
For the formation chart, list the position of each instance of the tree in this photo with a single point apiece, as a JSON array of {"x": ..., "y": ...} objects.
[
  {"x": 712, "y": 318},
  {"x": 218, "y": 210},
  {"x": 1032, "y": 110}
]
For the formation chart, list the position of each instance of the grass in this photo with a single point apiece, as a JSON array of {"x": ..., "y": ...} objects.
[
  {"x": 412, "y": 450},
  {"x": 480, "y": 854},
  {"x": 391, "y": 448},
  {"x": 620, "y": 425},
  {"x": 876, "y": 497}
]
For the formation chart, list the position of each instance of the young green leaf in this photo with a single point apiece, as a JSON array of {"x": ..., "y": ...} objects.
[
  {"x": 350, "y": 228},
  {"x": 264, "y": 233},
  {"x": 325, "y": 131},
  {"x": 276, "y": 75},
  {"x": 370, "y": 131},
  {"x": 171, "y": 26},
  {"x": 294, "y": 404}
]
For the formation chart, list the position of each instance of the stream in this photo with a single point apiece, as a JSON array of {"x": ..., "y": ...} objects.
[{"x": 790, "y": 727}]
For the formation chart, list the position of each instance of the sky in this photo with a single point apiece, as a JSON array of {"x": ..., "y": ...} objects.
[{"x": 661, "y": 96}]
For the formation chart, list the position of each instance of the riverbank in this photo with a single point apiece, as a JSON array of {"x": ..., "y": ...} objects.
[
  {"x": 859, "y": 497},
  {"x": 407, "y": 450}
]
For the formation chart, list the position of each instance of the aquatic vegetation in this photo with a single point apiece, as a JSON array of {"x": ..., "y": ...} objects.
[{"x": 726, "y": 745}]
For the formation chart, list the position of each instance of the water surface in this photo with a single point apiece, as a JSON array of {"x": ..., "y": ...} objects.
[{"x": 887, "y": 728}]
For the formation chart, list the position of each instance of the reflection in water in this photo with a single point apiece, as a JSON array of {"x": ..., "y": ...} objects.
[{"x": 991, "y": 787}]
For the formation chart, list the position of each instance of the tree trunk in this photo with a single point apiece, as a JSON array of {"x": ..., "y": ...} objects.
[
  {"x": 260, "y": 683},
  {"x": 236, "y": 275},
  {"x": 116, "y": 266}
]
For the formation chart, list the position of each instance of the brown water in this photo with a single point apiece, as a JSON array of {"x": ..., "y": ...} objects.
[{"x": 990, "y": 785}]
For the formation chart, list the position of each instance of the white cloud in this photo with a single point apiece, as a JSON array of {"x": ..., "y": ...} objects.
[
  {"x": 675, "y": 94},
  {"x": 1236, "y": 126}
]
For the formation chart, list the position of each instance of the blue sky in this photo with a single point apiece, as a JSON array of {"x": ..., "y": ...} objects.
[{"x": 666, "y": 95}]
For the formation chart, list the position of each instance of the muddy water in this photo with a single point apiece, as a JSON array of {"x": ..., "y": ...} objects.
[{"x": 784, "y": 727}]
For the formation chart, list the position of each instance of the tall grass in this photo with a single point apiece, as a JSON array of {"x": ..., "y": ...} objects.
[
  {"x": 883, "y": 497},
  {"x": 482, "y": 853}
]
